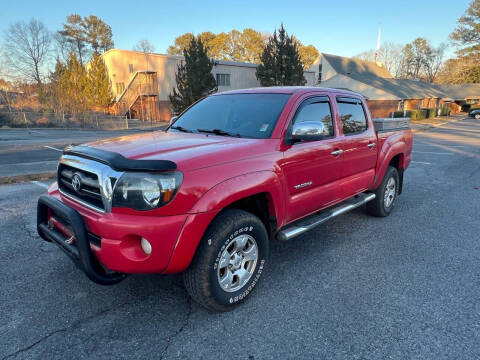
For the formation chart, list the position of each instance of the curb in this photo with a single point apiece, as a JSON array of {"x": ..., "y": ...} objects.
[{"x": 27, "y": 177}]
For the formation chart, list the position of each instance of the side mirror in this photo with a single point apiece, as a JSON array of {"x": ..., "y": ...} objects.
[
  {"x": 172, "y": 119},
  {"x": 308, "y": 131}
]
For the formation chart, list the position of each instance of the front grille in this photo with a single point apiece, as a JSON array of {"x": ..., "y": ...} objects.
[{"x": 87, "y": 189}]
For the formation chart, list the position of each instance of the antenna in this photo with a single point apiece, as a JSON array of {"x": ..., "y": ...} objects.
[{"x": 379, "y": 36}]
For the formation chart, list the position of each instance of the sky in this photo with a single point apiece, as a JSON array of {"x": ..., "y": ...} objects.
[{"x": 340, "y": 27}]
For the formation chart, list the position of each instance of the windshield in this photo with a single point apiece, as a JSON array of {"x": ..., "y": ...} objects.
[{"x": 242, "y": 115}]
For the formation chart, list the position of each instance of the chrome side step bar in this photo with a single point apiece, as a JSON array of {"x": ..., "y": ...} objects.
[{"x": 319, "y": 218}]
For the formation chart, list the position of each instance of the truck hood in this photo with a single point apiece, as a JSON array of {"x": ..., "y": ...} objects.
[{"x": 188, "y": 151}]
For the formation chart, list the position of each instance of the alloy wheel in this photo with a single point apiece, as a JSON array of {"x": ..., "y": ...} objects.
[
  {"x": 390, "y": 192},
  {"x": 237, "y": 263}
]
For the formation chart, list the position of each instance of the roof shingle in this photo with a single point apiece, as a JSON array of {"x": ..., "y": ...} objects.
[{"x": 347, "y": 66}]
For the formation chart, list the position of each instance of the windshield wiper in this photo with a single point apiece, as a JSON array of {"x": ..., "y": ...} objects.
[
  {"x": 218, "y": 132},
  {"x": 181, "y": 128}
]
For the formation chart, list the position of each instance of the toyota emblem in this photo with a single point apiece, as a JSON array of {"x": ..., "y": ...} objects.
[{"x": 76, "y": 182}]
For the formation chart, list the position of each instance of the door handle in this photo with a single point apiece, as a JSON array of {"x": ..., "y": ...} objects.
[
  {"x": 337, "y": 152},
  {"x": 371, "y": 145}
]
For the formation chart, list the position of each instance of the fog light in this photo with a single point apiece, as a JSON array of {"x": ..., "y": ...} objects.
[{"x": 146, "y": 246}]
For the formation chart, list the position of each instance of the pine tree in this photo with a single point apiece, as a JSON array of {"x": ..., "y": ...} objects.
[
  {"x": 467, "y": 34},
  {"x": 74, "y": 85},
  {"x": 194, "y": 77},
  {"x": 100, "y": 87},
  {"x": 281, "y": 64},
  {"x": 52, "y": 94}
]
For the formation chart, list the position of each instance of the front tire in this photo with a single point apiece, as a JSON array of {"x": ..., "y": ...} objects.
[
  {"x": 386, "y": 194},
  {"x": 477, "y": 116},
  {"x": 229, "y": 260}
]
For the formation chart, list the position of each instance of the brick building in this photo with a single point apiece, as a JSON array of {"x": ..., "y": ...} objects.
[{"x": 385, "y": 94}]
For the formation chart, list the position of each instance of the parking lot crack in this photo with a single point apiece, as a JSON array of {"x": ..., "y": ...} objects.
[
  {"x": 184, "y": 325},
  {"x": 75, "y": 325},
  {"x": 80, "y": 322}
]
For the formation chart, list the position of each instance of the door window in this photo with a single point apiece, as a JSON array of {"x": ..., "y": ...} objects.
[
  {"x": 317, "y": 110},
  {"x": 353, "y": 116}
]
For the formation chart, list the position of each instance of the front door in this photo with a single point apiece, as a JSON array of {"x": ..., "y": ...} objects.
[{"x": 312, "y": 168}]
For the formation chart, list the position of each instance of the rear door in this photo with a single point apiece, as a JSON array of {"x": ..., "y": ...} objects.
[
  {"x": 312, "y": 168},
  {"x": 359, "y": 147}
]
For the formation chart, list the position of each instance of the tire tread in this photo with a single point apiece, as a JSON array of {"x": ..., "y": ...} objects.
[
  {"x": 196, "y": 277},
  {"x": 376, "y": 206}
]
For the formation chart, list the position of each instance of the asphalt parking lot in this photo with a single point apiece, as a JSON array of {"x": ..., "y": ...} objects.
[{"x": 358, "y": 287}]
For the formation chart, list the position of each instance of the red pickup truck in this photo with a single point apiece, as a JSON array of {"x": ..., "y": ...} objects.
[{"x": 230, "y": 174}]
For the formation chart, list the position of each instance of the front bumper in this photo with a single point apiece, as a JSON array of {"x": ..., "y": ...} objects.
[
  {"x": 107, "y": 246},
  {"x": 62, "y": 225}
]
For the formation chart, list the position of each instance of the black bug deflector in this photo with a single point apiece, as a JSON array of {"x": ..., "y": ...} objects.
[
  {"x": 77, "y": 247},
  {"x": 118, "y": 162}
]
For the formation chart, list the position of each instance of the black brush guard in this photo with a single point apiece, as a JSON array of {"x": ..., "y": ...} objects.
[{"x": 78, "y": 247}]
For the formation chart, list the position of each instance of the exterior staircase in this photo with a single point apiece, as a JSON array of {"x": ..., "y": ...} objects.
[{"x": 142, "y": 88}]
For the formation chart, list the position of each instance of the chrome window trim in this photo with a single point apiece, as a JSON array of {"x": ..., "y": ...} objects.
[{"x": 104, "y": 174}]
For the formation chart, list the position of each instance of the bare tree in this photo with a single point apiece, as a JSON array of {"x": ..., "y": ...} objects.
[
  {"x": 27, "y": 46},
  {"x": 61, "y": 46},
  {"x": 420, "y": 60},
  {"x": 368, "y": 55},
  {"x": 433, "y": 62},
  {"x": 459, "y": 70},
  {"x": 144, "y": 46},
  {"x": 388, "y": 55}
]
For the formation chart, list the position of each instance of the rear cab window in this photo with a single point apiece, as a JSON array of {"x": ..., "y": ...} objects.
[{"x": 352, "y": 115}]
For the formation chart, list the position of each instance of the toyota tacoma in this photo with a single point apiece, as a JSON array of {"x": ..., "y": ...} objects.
[{"x": 234, "y": 171}]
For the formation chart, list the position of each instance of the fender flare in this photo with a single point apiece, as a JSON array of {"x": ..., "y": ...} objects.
[
  {"x": 236, "y": 188},
  {"x": 213, "y": 201},
  {"x": 388, "y": 152}
]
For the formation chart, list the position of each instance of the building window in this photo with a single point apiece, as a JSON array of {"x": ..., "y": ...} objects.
[
  {"x": 120, "y": 87},
  {"x": 223, "y": 79},
  {"x": 130, "y": 68}
]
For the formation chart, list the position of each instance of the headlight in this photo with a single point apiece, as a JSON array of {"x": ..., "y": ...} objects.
[{"x": 146, "y": 191}]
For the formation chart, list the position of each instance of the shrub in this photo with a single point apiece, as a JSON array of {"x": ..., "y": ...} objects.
[
  {"x": 431, "y": 112},
  {"x": 412, "y": 114},
  {"x": 398, "y": 114},
  {"x": 43, "y": 121},
  {"x": 420, "y": 114},
  {"x": 444, "y": 111},
  {"x": 4, "y": 120}
]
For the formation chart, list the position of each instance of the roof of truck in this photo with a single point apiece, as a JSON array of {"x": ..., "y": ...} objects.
[{"x": 288, "y": 90}]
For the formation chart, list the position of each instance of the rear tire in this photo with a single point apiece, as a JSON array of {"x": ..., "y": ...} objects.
[
  {"x": 477, "y": 116},
  {"x": 386, "y": 194},
  {"x": 229, "y": 260}
]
